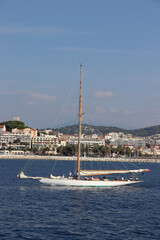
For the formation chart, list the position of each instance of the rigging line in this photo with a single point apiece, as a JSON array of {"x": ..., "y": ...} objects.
[
  {"x": 53, "y": 166},
  {"x": 124, "y": 165},
  {"x": 69, "y": 114},
  {"x": 27, "y": 164},
  {"x": 75, "y": 167},
  {"x": 114, "y": 164},
  {"x": 134, "y": 165},
  {"x": 91, "y": 165},
  {"x": 89, "y": 117},
  {"x": 65, "y": 102}
]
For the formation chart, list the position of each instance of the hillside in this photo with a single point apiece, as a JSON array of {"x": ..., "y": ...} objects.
[
  {"x": 102, "y": 130},
  {"x": 144, "y": 132},
  {"x": 90, "y": 129},
  {"x": 13, "y": 124}
]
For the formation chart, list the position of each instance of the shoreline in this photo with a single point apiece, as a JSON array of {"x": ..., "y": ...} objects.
[{"x": 70, "y": 158}]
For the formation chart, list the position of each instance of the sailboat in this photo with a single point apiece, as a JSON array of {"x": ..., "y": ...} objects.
[{"x": 86, "y": 178}]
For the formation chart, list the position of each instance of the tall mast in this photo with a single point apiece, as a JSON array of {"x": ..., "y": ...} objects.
[{"x": 80, "y": 118}]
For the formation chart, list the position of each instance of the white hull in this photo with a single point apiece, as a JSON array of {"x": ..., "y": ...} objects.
[{"x": 85, "y": 183}]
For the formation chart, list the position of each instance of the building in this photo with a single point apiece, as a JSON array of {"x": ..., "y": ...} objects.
[
  {"x": 2, "y": 128},
  {"x": 136, "y": 142},
  {"x": 16, "y": 118},
  {"x": 8, "y": 138},
  {"x": 45, "y": 141},
  {"x": 88, "y": 141},
  {"x": 4, "y": 136},
  {"x": 48, "y": 131},
  {"x": 30, "y": 131}
]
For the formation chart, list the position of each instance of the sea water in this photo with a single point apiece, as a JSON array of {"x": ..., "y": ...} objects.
[{"x": 30, "y": 210}]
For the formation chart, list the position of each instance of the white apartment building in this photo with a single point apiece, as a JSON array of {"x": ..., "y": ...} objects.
[
  {"x": 136, "y": 142},
  {"x": 88, "y": 141},
  {"x": 4, "y": 137},
  {"x": 8, "y": 137},
  {"x": 21, "y": 136},
  {"x": 47, "y": 141}
]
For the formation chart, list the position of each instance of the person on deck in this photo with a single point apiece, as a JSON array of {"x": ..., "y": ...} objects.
[{"x": 70, "y": 175}]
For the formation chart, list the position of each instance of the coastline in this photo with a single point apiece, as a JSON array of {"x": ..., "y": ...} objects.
[{"x": 72, "y": 158}]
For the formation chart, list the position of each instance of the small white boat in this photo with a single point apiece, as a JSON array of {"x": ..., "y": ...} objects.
[{"x": 86, "y": 178}]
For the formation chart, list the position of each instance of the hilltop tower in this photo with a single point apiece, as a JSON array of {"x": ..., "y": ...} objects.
[{"x": 16, "y": 119}]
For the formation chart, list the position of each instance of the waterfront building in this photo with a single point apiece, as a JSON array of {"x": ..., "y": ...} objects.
[
  {"x": 155, "y": 150},
  {"x": 8, "y": 138},
  {"x": 136, "y": 142},
  {"x": 45, "y": 141},
  {"x": 89, "y": 141},
  {"x": 15, "y": 152},
  {"x": 4, "y": 137},
  {"x": 23, "y": 138}
]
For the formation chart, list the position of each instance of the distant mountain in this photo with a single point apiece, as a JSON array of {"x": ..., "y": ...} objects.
[
  {"x": 102, "y": 130},
  {"x": 90, "y": 129},
  {"x": 144, "y": 132}
]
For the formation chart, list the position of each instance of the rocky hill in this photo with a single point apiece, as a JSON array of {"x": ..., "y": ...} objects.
[
  {"x": 90, "y": 129},
  {"x": 102, "y": 130}
]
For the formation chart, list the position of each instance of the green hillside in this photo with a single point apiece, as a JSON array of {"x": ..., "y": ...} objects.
[
  {"x": 90, "y": 129},
  {"x": 13, "y": 124},
  {"x": 103, "y": 130},
  {"x": 144, "y": 132}
]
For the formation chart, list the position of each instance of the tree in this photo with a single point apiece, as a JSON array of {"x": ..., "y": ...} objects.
[
  {"x": 17, "y": 141},
  {"x": 96, "y": 149},
  {"x": 59, "y": 150},
  {"x": 103, "y": 151},
  {"x": 128, "y": 151},
  {"x": 87, "y": 150},
  {"x": 44, "y": 150},
  {"x": 13, "y": 124},
  {"x": 35, "y": 150},
  {"x": 68, "y": 150}
]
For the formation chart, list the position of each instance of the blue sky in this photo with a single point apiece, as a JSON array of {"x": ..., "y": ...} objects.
[{"x": 42, "y": 44}]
